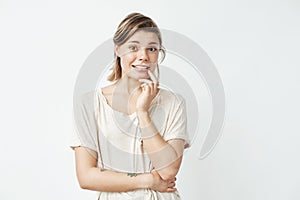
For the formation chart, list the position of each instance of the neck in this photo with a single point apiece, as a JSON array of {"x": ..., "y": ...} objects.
[{"x": 128, "y": 85}]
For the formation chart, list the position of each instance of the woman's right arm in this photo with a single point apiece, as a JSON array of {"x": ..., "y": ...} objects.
[{"x": 92, "y": 178}]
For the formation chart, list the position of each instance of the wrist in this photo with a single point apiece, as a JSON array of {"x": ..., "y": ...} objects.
[
  {"x": 142, "y": 112},
  {"x": 148, "y": 131},
  {"x": 146, "y": 181},
  {"x": 144, "y": 118}
]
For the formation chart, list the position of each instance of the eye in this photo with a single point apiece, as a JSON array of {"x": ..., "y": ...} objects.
[
  {"x": 152, "y": 49},
  {"x": 132, "y": 48}
]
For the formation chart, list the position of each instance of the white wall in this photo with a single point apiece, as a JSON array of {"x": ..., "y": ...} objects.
[{"x": 254, "y": 44}]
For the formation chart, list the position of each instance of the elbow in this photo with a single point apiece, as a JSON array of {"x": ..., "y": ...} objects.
[
  {"x": 83, "y": 186},
  {"x": 167, "y": 176},
  {"x": 83, "y": 182},
  {"x": 168, "y": 173}
]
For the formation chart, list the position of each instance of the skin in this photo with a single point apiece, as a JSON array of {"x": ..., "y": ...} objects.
[{"x": 136, "y": 89}]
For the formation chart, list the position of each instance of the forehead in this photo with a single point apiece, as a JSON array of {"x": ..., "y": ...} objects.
[{"x": 144, "y": 37}]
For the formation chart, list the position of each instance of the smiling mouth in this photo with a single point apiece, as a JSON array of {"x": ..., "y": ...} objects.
[{"x": 145, "y": 67}]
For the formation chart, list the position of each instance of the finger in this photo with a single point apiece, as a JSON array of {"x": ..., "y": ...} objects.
[
  {"x": 171, "y": 189},
  {"x": 151, "y": 84},
  {"x": 171, "y": 185},
  {"x": 152, "y": 89},
  {"x": 147, "y": 89},
  {"x": 143, "y": 80},
  {"x": 172, "y": 179},
  {"x": 143, "y": 85},
  {"x": 153, "y": 77},
  {"x": 155, "y": 81}
]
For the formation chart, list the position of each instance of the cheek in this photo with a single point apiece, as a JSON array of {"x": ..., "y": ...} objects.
[
  {"x": 127, "y": 60},
  {"x": 154, "y": 58}
]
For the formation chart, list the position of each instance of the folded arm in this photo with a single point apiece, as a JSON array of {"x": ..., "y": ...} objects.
[
  {"x": 92, "y": 178},
  {"x": 166, "y": 156}
]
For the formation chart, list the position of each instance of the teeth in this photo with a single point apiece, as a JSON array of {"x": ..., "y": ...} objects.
[{"x": 141, "y": 66}]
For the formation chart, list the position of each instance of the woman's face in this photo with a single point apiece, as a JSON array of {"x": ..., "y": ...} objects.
[{"x": 139, "y": 54}]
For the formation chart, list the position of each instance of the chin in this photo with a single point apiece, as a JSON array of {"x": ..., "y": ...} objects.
[{"x": 137, "y": 76}]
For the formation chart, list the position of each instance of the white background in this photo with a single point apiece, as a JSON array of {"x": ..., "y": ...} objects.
[{"x": 254, "y": 44}]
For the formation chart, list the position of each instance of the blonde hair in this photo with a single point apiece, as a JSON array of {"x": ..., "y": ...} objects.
[{"x": 132, "y": 23}]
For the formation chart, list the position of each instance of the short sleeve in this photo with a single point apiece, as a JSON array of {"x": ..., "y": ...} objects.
[
  {"x": 177, "y": 125},
  {"x": 85, "y": 123}
]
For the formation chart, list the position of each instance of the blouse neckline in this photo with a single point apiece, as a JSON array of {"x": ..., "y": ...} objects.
[{"x": 132, "y": 115}]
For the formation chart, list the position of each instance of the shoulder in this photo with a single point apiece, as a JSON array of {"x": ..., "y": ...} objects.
[
  {"x": 170, "y": 97},
  {"x": 85, "y": 98},
  {"x": 107, "y": 90},
  {"x": 90, "y": 95}
]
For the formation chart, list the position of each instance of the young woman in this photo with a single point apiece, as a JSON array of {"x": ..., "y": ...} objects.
[{"x": 131, "y": 134}]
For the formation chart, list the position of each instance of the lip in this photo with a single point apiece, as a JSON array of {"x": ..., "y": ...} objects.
[{"x": 141, "y": 68}]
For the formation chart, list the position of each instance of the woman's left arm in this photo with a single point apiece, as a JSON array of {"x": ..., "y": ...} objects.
[{"x": 166, "y": 156}]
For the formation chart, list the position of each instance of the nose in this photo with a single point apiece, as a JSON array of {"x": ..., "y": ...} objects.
[{"x": 143, "y": 55}]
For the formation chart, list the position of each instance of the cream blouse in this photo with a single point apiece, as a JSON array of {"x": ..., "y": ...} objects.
[{"x": 116, "y": 136}]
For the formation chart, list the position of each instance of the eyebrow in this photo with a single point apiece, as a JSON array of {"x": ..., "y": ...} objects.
[{"x": 137, "y": 42}]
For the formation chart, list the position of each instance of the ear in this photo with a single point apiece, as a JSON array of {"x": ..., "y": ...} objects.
[{"x": 117, "y": 50}]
